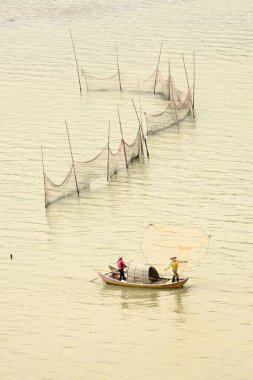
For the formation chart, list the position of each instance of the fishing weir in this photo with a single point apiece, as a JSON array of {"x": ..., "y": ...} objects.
[{"x": 107, "y": 163}]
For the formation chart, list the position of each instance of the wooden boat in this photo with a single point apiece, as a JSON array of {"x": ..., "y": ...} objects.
[{"x": 141, "y": 276}]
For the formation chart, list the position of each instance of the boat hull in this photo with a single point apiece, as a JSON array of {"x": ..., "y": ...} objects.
[{"x": 165, "y": 285}]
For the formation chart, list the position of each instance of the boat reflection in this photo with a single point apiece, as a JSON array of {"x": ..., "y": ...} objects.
[
  {"x": 148, "y": 298},
  {"x": 133, "y": 297},
  {"x": 177, "y": 304},
  {"x": 178, "y": 298},
  {"x": 139, "y": 298}
]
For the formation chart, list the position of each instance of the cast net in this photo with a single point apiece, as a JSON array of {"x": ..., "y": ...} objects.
[
  {"x": 105, "y": 165},
  {"x": 161, "y": 242}
]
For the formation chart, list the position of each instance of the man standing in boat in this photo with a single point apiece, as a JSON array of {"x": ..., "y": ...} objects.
[
  {"x": 174, "y": 265},
  {"x": 121, "y": 265}
]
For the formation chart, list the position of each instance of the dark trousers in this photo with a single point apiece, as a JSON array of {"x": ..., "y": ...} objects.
[
  {"x": 175, "y": 276},
  {"x": 122, "y": 275}
]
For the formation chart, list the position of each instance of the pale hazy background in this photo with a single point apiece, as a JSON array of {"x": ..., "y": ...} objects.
[{"x": 55, "y": 323}]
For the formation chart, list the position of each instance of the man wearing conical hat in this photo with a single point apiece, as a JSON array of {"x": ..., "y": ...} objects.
[{"x": 174, "y": 265}]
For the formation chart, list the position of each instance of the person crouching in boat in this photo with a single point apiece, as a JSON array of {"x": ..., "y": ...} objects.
[
  {"x": 174, "y": 265},
  {"x": 121, "y": 265}
]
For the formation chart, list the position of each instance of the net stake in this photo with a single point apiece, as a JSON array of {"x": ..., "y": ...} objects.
[
  {"x": 169, "y": 82},
  {"x": 72, "y": 158},
  {"x": 108, "y": 154},
  {"x": 118, "y": 67},
  {"x": 78, "y": 74},
  {"x": 188, "y": 88},
  {"x": 139, "y": 100},
  {"x": 158, "y": 67},
  {"x": 142, "y": 133},
  {"x": 122, "y": 139},
  {"x": 174, "y": 105},
  {"x": 44, "y": 178},
  {"x": 193, "y": 91},
  {"x": 173, "y": 101}
]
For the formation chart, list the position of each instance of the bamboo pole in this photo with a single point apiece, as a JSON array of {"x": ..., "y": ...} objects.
[
  {"x": 145, "y": 141},
  {"x": 141, "y": 143},
  {"x": 188, "y": 88},
  {"x": 140, "y": 150},
  {"x": 139, "y": 93},
  {"x": 157, "y": 66},
  {"x": 72, "y": 158},
  {"x": 77, "y": 68},
  {"x": 45, "y": 195},
  {"x": 193, "y": 91},
  {"x": 122, "y": 139},
  {"x": 143, "y": 136},
  {"x": 108, "y": 154},
  {"x": 173, "y": 101},
  {"x": 142, "y": 133},
  {"x": 140, "y": 122},
  {"x": 118, "y": 67},
  {"x": 147, "y": 125},
  {"x": 136, "y": 112},
  {"x": 169, "y": 81}
]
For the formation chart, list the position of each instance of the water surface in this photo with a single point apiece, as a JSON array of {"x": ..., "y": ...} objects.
[{"x": 55, "y": 323}]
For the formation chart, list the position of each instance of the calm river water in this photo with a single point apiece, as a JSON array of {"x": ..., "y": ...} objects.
[{"x": 57, "y": 324}]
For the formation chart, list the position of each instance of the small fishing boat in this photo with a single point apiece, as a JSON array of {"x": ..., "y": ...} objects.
[{"x": 141, "y": 276}]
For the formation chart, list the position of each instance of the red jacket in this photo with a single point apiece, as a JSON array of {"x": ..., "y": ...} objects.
[{"x": 121, "y": 264}]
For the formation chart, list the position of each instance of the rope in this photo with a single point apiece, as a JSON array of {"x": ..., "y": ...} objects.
[{"x": 142, "y": 241}]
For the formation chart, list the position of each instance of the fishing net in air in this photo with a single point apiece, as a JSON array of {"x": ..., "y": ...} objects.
[
  {"x": 161, "y": 242},
  {"x": 82, "y": 174}
]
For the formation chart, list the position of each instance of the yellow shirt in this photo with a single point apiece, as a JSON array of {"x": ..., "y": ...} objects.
[{"x": 174, "y": 264}]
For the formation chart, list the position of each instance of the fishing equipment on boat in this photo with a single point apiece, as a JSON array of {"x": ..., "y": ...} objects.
[{"x": 141, "y": 276}]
